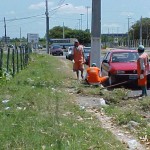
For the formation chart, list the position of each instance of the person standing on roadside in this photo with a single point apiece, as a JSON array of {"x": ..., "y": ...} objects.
[
  {"x": 142, "y": 69},
  {"x": 78, "y": 59}
]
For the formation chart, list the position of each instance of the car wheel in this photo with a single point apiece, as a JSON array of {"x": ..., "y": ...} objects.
[{"x": 111, "y": 80}]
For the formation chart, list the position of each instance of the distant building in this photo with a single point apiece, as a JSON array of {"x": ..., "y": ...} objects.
[
  {"x": 62, "y": 42},
  {"x": 119, "y": 35},
  {"x": 5, "y": 39}
]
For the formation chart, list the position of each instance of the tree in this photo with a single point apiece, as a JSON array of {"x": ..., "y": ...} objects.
[
  {"x": 83, "y": 36},
  {"x": 57, "y": 32},
  {"x": 135, "y": 29}
]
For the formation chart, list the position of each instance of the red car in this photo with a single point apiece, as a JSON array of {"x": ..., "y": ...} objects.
[
  {"x": 120, "y": 65},
  {"x": 56, "y": 50}
]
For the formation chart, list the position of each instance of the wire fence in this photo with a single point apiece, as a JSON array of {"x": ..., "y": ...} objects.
[{"x": 13, "y": 60}]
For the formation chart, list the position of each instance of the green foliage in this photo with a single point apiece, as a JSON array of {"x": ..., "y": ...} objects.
[
  {"x": 145, "y": 104},
  {"x": 145, "y": 28},
  {"x": 123, "y": 117},
  {"x": 82, "y": 36},
  {"x": 126, "y": 116},
  {"x": 145, "y": 133},
  {"x": 116, "y": 95}
]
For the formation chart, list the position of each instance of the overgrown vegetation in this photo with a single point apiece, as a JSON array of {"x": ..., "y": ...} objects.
[
  {"x": 124, "y": 110},
  {"x": 38, "y": 113}
]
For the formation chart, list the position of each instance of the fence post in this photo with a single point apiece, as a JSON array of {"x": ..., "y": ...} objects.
[
  {"x": 17, "y": 61},
  {"x": 8, "y": 54},
  {"x": 21, "y": 58},
  {"x": 26, "y": 55},
  {"x": 13, "y": 62},
  {"x": 1, "y": 61}
]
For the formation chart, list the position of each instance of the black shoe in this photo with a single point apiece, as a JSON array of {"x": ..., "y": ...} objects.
[{"x": 141, "y": 95}]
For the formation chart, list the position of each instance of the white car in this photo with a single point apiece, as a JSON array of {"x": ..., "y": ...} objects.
[{"x": 69, "y": 53}]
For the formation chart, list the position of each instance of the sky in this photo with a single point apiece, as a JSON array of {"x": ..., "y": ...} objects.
[{"x": 28, "y": 16}]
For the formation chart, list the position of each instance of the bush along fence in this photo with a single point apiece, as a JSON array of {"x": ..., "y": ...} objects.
[{"x": 13, "y": 60}]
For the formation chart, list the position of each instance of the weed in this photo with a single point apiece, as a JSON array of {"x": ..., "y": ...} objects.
[
  {"x": 116, "y": 95},
  {"x": 126, "y": 116},
  {"x": 145, "y": 104}
]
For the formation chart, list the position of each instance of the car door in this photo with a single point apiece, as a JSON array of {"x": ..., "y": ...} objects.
[{"x": 105, "y": 64}]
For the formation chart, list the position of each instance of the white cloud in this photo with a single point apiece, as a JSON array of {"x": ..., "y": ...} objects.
[
  {"x": 71, "y": 9},
  {"x": 39, "y": 5}
]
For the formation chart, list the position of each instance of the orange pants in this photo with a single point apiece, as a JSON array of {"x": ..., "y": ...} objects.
[
  {"x": 99, "y": 80},
  {"x": 78, "y": 66}
]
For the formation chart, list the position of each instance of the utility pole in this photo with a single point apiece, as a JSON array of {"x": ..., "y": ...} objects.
[
  {"x": 141, "y": 31},
  {"x": 47, "y": 28},
  {"x": 87, "y": 7},
  {"x": 96, "y": 33},
  {"x": 20, "y": 36},
  {"x": 79, "y": 23},
  {"x": 128, "y": 31},
  {"x": 81, "y": 20},
  {"x": 5, "y": 31},
  {"x": 63, "y": 31}
]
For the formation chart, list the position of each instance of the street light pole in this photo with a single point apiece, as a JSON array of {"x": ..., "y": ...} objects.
[
  {"x": 5, "y": 30},
  {"x": 141, "y": 30},
  {"x": 47, "y": 28},
  {"x": 63, "y": 31},
  {"x": 81, "y": 20},
  {"x": 79, "y": 23},
  {"x": 128, "y": 31},
  {"x": 87, "y": 7},
  {"x": 20, "y": 36}
]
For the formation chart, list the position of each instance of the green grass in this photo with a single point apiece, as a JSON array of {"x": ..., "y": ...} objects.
[
  {"x": 121, "y": 108},
  {"x": 42, "y": 115}
]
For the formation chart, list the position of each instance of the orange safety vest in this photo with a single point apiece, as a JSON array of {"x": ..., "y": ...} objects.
[
  {"x": 93, "y": 75},
  {"x": 142, "y": 64},
  {"x": 78, "y": 54}
]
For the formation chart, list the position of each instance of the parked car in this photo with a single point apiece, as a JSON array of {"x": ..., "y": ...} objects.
[
  {"x": 69, "y": 53},
  {"x": 120, "y": 65},
  {"x": 86, "y": 51},
  {"x": 40, "y": 46},
  {"x": 56, "y": 50}
]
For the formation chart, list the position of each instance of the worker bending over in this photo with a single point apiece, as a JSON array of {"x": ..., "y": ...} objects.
[{"x": 93, "y": 75}]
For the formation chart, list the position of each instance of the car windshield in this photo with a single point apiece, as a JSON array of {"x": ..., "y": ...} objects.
[
  {"x": 56, "y": 47},
  {"x": 124, "y": 57},
  {"x": 70, "y": 49},
  {"x": 87, "y": 50}
]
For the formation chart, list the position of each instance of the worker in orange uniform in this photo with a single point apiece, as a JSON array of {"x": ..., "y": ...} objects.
[
  {"x": 142, "y": 69},
  {"x": 93, "y": 75},
  {"x": 78, "y": 58}
]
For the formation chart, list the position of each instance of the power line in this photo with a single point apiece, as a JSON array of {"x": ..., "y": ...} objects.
[{"x": 29, "y": 17}]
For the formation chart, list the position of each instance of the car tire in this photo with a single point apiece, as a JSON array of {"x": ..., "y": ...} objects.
[{"x": 111, "y": 80}]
